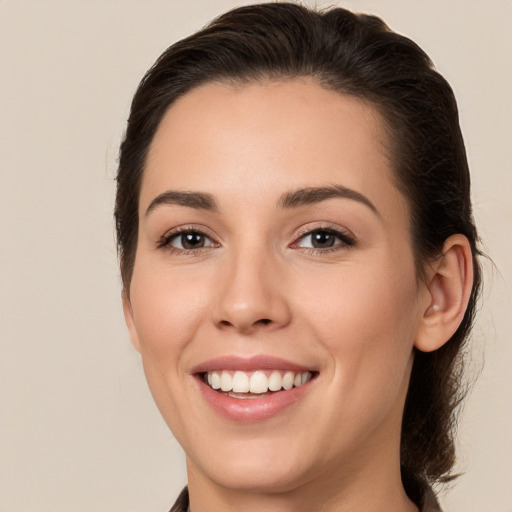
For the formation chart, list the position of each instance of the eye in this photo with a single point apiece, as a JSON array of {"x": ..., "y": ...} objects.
[
  {"x": 186, "y": 240},
  {"x": 324, "y": 239},
  {"x": 191, "y": 240}
]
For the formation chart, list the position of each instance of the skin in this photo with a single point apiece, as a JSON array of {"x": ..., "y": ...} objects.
[{"x": 353, "y": 313}]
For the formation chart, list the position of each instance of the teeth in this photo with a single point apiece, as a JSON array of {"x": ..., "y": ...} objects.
[
  {"x": 226, "y": 381},
  {"x": 240, "y": 382},
  {"x": 257, "y": 382},
  {"x": 288, "y": 380},
  {"x": 215, "y": 380},
  {"x": 275, "y": 381}
]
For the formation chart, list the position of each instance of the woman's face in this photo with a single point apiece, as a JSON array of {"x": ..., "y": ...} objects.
[{"x": 274, "y": 250}]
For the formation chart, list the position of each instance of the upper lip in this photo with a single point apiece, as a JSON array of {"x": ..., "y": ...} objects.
[{"x": 253, "y": 363}]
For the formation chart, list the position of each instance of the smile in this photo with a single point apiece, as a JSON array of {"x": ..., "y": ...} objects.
[
  {"x": 253, "y": 389},
  {"x": 255, "y": 384}
]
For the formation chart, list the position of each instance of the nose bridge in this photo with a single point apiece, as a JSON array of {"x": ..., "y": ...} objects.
[{"x": 251, "y": 295}]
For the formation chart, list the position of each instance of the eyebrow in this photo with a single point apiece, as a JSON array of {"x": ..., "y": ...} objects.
[
  {"x": 311, "y": 195},
  {"x": 198, "y": 200},
  {"x": 293, "y": 199}
]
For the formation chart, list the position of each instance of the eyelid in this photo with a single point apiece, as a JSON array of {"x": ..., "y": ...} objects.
[
  {"x": 347, "y": 238},
  {"x": 165, "y": 240}
]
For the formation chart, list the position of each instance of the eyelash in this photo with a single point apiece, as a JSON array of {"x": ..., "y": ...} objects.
[
  {"x": 346, "y": 240},
  {"x": 166, "y": 240}
]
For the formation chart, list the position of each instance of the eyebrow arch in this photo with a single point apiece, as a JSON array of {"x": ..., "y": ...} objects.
[
  {"x": 311, "y": 195},
  {"x": 198, "y": 200}
]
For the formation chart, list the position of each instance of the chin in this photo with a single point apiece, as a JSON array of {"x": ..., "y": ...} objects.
[
  {"x": 254, "y": 477},
  {"x": 260, "y": 467}
]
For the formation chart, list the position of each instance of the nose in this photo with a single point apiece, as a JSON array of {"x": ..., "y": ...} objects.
[{"x": 251, "y": 294}]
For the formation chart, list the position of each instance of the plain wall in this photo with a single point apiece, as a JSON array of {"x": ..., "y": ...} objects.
[{"x": 78, "y": 428}]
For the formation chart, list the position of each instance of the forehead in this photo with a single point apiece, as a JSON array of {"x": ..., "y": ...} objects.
[{"x": 232, "y": 141}]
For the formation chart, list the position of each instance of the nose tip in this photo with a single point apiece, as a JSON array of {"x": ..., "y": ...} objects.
[{"x": 251, "y": 297}]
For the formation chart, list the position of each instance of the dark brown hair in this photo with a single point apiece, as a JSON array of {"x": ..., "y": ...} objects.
[{"x": 358, "y": 55}]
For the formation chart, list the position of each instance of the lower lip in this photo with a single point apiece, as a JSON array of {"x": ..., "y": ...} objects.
[{"x": 248, "y": 410}]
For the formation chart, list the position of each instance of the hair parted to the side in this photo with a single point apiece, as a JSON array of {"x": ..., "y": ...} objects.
[{"x": 358, "y": 55}]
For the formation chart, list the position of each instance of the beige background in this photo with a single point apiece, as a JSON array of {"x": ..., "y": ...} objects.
[{"x": 78, "y": 429}]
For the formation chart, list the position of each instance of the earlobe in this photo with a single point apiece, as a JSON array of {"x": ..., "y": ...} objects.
[
  {"x": 128, "y": 318},
  {"x": 449, "y": 287}
]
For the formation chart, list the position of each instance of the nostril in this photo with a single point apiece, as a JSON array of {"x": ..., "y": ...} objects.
[{"x": 243, "y": 326}]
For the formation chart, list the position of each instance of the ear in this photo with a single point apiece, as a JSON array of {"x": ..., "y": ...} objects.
[
  {"x": 449, "y": 288},
  {"x": 128, "y": 318}
]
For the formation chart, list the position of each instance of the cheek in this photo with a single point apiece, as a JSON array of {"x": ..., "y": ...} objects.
[
  {"x": 366, "y": 318},
  {"x": 367, "y": 330},
  {"x": 168, "y": 308},
  {"x": 363, "y": 296}
]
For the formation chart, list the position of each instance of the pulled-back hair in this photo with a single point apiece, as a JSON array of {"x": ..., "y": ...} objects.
[{"x": 358, "y": 55}]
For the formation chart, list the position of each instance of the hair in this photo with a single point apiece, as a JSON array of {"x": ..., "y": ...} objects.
[{"x": 357, "y": 55}]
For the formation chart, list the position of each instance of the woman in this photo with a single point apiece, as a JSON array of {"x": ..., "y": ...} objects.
[{"x": 299, "y": 260}]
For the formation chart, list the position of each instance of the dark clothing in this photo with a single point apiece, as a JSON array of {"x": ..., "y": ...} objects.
[
  {"x": 181, "y": 504},
  {"x": 428, "y": 503}
]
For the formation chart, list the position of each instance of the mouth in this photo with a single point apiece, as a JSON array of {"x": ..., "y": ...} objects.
[
  {"x": 253, "y": 389},
  {"x": 255, "y": 384}
]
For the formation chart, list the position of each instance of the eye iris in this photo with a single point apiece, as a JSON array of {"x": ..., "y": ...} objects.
[
  {"x": 192, "y": 240},
  {"x": 321, "y": 239}
]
